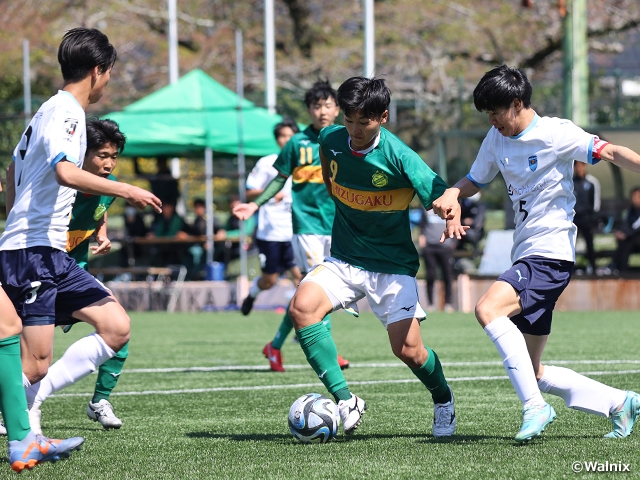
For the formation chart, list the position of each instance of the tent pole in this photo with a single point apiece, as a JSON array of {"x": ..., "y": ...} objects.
[
  {"x": 243, "y": 283},
  {"x": 208, "y": 171}
]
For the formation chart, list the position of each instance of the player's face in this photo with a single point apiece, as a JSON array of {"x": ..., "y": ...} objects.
[
  {"x": 99, "y": 85},
  {"x": 508, "y": 120},
  {"x": 323, "y": 113},
  {"x": 101, "y": 161},
  {"x": 635, "y": 199},
  {"x": 363, "y": 130},
  {"x": 283, "y": 137}
]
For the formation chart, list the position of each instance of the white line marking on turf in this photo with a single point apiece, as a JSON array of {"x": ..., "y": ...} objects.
[
  {"x": 314, "y": 385},
  {"x": 230, "y": 368}
]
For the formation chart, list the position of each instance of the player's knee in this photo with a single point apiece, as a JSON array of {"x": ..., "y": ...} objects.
[
  {"x": 483, "y": 312},
  {"x": 116, "y": 332},
  {"x": 410, "y": 355},
  {"x": 36, "y": 369},
  {"x": 267, "y": 282}
]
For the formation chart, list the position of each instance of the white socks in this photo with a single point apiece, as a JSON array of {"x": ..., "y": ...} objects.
[
  {"x": 80, "y": 359},
  {"x": 580, "y": 392},
  {"x": 254, "y": 290},
  {"x": 515, "y": 358}
]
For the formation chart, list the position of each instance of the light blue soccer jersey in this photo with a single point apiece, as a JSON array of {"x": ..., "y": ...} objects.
[{"x": 537, "y": 166}]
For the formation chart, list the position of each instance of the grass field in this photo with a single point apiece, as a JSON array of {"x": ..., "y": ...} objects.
[{"x": 230, "y": 421}]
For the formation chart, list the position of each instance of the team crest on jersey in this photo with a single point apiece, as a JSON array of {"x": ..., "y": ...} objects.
[
  {"x": 70, "y": 126},
  {"x": 533, "y": 162},
  {"x": 379, "y": 179},
  {"x": 97, "y": 215}
]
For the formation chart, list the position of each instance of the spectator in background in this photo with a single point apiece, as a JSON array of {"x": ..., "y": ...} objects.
[
  {"x": 168, "y": 224},
  {"x": 473, "y": 212},
  {"x": 133, "y": 227},
  {"x": 437, "y": 254},
  {"x": 628, "y": 235},
  {"x": 197, "y": 260},
  {"x": 162, "y": 184},
  {"x": 586, "y": 189}
]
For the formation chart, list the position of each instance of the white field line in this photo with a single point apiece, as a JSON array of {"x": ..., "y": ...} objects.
[
  {"x": 230, "y": 368},
  {"x": 318, "y": 384}
]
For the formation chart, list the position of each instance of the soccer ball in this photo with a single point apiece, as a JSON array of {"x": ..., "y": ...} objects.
[{"x": 314, "y": 418}]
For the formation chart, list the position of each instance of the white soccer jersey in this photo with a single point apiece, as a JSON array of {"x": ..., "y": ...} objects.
[
  {"x": 537, "y": 166},
  {"x": 42, "y": 208},
  {"x": 274, "y": 218}
]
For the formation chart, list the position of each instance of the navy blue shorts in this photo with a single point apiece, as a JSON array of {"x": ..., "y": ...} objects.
[
  {"x": 539, "y": 281},
  {"x": 275, "y": 257},
  {"x": 44, "y": 283}
]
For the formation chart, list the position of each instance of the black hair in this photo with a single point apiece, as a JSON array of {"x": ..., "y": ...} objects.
[
  {"x": 321, "y": 90},
  {"x": 83, "y": 49},
  {"x": 102, "y": 132},
  {"x": 369, "y": 97},
  {"x": 199, "y": 201},
  {"x": 499, "y": 87},
  {"x": 285, "y": 123}
]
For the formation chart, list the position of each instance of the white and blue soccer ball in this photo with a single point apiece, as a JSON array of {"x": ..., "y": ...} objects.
[{"x": 314, "y": 418}]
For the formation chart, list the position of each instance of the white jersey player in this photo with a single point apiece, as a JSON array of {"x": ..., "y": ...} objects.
[{"x": 535, "y": 156}]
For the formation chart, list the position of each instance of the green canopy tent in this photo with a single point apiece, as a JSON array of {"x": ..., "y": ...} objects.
[{"x": 197, "y": 115}]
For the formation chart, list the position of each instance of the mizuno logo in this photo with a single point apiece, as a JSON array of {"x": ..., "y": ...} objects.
[
  {"x": 304, "y": 142},
  {"x": 115, "y": 375},
  {"x": 407, "y": 308},
  {"x": 334, "y": 152},
  {"x": 322, "y": 374},
  {"x": 520, "y": 275}
]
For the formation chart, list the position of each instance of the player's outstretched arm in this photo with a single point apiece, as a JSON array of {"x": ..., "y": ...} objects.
[
  {"x": 104, "y": 244},
  {"x": 10, "y": 190},
  {"x": 326, "y": 173},
  {"x": 447, "y": 205},
  {"x": 69, "y": 175},
  {"x": 454, "y": 228},
  {"x": 244, "y": 211},
  {"x": 621, "y": 156}
]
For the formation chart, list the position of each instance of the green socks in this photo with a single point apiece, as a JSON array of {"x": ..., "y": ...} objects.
[
  {"x": 13, "y": 401},
  {"x": 285, "y": 327},
  {"x": 109, "y": 373},
  {"x": 430, "y": 374},
  {"x": 326, "y": 321},
  {"x": 321, "y": 353}
]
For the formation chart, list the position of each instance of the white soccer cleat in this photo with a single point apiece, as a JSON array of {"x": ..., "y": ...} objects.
[
  {"x": 351, "y": 412},
  {"x": 34, "y": 420},
  {"x": 103, "y": 412},
  {"x": 444, "y": 418},
  {"x": 3, "y": 430}
]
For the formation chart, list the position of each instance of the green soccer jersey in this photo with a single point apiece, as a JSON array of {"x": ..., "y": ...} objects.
[
  {"x": 372, "y": 193},
  {"x": 87, "y": 211},
  {"x": 312, "y": 210}
]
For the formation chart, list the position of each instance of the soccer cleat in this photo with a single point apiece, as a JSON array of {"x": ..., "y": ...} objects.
[
  {"x": 35, "y": 449},
  {"x": 625, "y": 416},
  {"x": 344, "y": 363},
  {"x": 103, "y": 412},
  {"x": 535, "y": 420},
  {"x": 274, "y": 356},
  {"x": 351, "y": 412},
  {"x": 34, "y": 420},
  {"x": 247, "y": 305},
  {"x": 444, "y": 418},
  {"x": 3, "y": 430}
]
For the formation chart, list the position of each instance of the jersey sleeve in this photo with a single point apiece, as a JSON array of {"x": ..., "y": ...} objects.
[
  {"x": 260, "y": 176},
  {"x": 287, "y": 160},
  {"x": 484, "y": 168},
  {"x": 61, "y": 137},
  {"x": 427, "y": 184},
  {"x": 570, "y": 143}
]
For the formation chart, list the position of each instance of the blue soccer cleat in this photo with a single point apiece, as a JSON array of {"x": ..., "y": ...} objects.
[
  {"x": 625, "y": 416},
  {"x": 35, "y": 449},
  {"x": 535, "y": 420}
]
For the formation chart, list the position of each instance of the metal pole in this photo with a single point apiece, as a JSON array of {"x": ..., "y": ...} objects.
[
  {"x": 173, "y": 41},
  {"x": 567, "y": 64},
  {"x": 269, "y": 57},
  {"x": 208, "y": 172},
  {"x": 241, "y": 160},
  {"x": 580, "y": 64},
  {"x": 369, "y": 42},
  {"x": 26, "y": 80}
]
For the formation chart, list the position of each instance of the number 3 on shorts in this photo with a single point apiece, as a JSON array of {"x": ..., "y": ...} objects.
[{"x": 33, "y": 294}]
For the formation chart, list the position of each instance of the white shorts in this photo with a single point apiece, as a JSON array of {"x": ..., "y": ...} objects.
[
  {"x": 392, "y": 297},
  {"x": 310, "y": 250}
]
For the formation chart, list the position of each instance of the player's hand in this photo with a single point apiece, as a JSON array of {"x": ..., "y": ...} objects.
[
  {"x": 454, "y": 230},
  {"x": 141, "y": 198},
  {"x": 447, "y": 205},
  {"x": 279, "y": 196},
  {"x": 103, "y": 247},
  {"x": 244, "y": 211}
]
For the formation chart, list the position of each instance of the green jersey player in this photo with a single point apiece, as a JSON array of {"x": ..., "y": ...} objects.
[
  {"x": 372, "y": 177},
  {"x": 89, "y": 219},
  {"x": 312, "y": 210}
]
